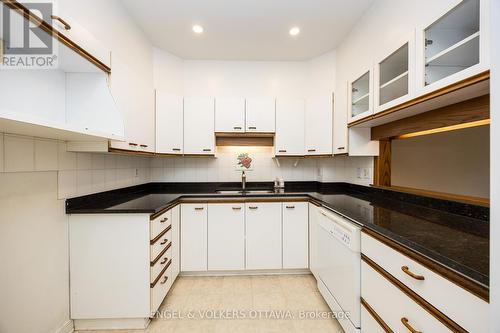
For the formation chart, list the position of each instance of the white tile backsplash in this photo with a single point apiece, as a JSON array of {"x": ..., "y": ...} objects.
[
  {"x": 67, "y": 160},
  {"x": 19, "y": 153}
]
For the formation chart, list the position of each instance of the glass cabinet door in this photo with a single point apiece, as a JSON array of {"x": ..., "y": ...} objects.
[
  {"x": 393, "y": 76},
  {"x": 360, "y": 95},
  {"x": 452, "y": 43}
]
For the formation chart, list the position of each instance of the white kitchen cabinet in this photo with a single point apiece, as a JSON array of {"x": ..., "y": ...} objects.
[
  {"x": 290, "y": 136},
  {"x": 314, "y": 216},
  {"x": 295, "y": 235},
  {"x": 453, "y": 46},
  {"x": 226, "y": 236},
  {"x": 176, "y": 237},
  {"x": 394, "y": 74},
  {"x": 169, "y": 123},
  {"x": 194, "y": 237},
  {"x": 368, "y": 323},
  {"x": 340, "y": 141},
  {"x": 263, "y": 235},
  {"x": 260, "y": 115},
  {"x": 230, "y": 115},
  {"x": 360, "y": 95},
  {"x": 360, "y": 142},
  {"x": 319, "y": 126},
  {"x": 199, "y": 130}
]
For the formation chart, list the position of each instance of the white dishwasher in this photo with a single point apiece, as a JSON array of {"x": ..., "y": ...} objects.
[{"x": 339, "y": 268}]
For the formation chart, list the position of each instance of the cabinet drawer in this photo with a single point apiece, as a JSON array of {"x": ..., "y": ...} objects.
[
  {"x": 161, "y": 242},
  {"x": 393, "y": 306},
  {"x": 160, "y": 223},
  {"x": 160, "y": 288},
  {"x": 161, "y": 262},
  {"x": 446, "y": 296},
  {"x": 368, "y": 322}
]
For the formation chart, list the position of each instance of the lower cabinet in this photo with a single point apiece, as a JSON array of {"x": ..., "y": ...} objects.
[
  {"x": 368, "y": 323},
  {"x": 263, "y": 234},
  {"x": 226, "y": 236},
  {"x": 121, "y": 268},
  {"x": 194, "y": 237},
  {"x": 295, "y": 235}
]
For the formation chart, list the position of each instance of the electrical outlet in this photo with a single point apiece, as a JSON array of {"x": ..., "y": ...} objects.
[
  {"x": 366, "y": 173},
  {"x": 136, "y": 173},
  {"x": 359, "y": 173}
]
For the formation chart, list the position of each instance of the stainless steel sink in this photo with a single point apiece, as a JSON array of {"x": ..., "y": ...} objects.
[{"x": 246, "y": 192}]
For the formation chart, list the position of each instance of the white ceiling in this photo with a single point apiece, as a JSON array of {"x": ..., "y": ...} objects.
[{"x": 247, "y": 29}]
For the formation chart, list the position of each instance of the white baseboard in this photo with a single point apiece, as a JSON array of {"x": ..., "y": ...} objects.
[
  {"x": 67, "y": 327},
  {"x": 111, "y": 324},
  {"x": 250, "y": 272}
]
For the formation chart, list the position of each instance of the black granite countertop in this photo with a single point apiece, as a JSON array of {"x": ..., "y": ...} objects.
[{"x": 454, "y": 235}]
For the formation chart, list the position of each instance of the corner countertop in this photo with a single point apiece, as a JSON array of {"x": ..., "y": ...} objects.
[{"x": 453, "y": 235}]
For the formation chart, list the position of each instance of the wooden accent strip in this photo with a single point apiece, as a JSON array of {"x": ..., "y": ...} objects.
[
  {"x": 244, "y": 135},
  {"x": 464, "y": 112},
  {"x": 242, "y": 141},
  {"x": 129, "y": 152},
  {"x": 382, "y": 176},
  {"x": 152, "y": 285},
  {"x": 424, "y": 98},
  {"x": 160, "y": 235},
  {"x": 461, "y": 281},
  {"x": 13, "y": 4},
  {"x": 375, "y": 316},
  {"x": 485, "y": 202},
  {"x": 445, "y": 320},
  {"x": 155, "y": 260}
]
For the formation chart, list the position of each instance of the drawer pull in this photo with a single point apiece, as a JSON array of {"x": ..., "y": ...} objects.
[
  {"x": 198, "y": 208},
  {"x": 253, "y": 207},
  {"x": 413, "y": 275},
  {"x": 164, "y": 261},
  {"x": 164, "y": 280},
  {"x": 207, "y": 149},
  {"x": 282, "y": 151},
  {"x": 340, "y": 148},
  {"x": 144, "y": 146},
  {"x": 236, "y": 208},
  {"x": 311, "y": 150},
  {"x": 133, "y": 144},
  {"x": 164, "y": 220},
  {"x": 176, "y": 149},
  {"x": 290, "y": 207},
  {"x": 237, "y": 127},
  {"x": 165, "y": 241},
  {"x": 252, "y": 127},
  {"x": 406, "y": 322},
  {"x": 64, "y": 23}
]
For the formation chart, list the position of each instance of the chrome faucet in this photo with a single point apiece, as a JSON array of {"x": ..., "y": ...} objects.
[{"x": 243, "y": 181}]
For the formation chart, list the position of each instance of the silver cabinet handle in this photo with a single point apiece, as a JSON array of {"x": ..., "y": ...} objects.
[
  {"x": 164, "y": 280},
  {"x": 165, "y": 241}
]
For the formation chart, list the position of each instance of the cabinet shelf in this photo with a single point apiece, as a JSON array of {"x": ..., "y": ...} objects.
[
  {"x": 360, "y": 99},
  {"x": 465, "y": 53},
  {"x": 394, "y": 80}
]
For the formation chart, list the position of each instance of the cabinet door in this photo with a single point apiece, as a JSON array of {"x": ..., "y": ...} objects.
[
  {"x": 340, "y": 143},
  {"x": 193, "y": 237},
  {"x": 295, "y": 235},
  {"x": 360, "y": 95},
  {"x": 261, "y": 115},
  {"x": 263, "y": 234},
  {"x": 199, "y": 136},
  {"x": 361, "y": 143},
  {"x": 169, "y": 123},
  {"x": 319, "y": 126},
  {"x": 230, "y": 115},
  {"x": 226, "y": 237},
  {"x": 290, "y": 136},
  {"x": 313, "y": 239},
  {"x": 176, "y": 238}
]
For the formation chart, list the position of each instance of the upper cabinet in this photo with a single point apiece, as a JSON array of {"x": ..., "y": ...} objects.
[
  {"x": 394, "y": 74},
  {"x": 169, "y": 123},
  {"x": 360, "y": 97},
  {"x": 199, "y": 129},
  {"x": 261, "y": 115},
  {"x": 230, "y": 115},
  {"x": 319, "y": 126},
  {"x": 290, "y": 136},
  {"x": 453, "y": 47}
]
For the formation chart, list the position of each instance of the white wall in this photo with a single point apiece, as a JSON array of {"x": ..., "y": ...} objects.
[
  {"x": 34, "y": 173},
  {"x": 495, "y": 169},
  {"x": 455, "y": 162}
]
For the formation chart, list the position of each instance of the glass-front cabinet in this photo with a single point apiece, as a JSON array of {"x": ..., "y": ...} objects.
[
  {"x": 455, "y": 46},
  {"x": 395, "y": 74},
  {"x": 360, "y": 96}
]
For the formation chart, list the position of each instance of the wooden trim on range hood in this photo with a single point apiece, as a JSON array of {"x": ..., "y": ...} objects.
[{"x": 244, "y": 139}]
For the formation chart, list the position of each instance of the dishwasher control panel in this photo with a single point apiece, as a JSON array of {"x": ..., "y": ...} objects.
[{"x": 342, "y": 229}]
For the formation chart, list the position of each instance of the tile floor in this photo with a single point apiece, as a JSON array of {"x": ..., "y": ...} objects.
[{"x": 256, "y": 304}]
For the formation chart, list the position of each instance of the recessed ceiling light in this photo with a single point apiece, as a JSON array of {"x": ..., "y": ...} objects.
[
  {"x": 294, "y": 31},
  {"x": 197, "y": 29}
]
